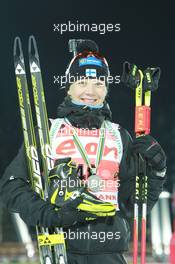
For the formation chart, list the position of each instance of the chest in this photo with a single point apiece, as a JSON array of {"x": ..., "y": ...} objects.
[{"x": 64, "y": 145}]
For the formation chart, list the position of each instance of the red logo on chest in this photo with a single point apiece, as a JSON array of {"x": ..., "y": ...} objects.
[{"x": 68, "y": 147}]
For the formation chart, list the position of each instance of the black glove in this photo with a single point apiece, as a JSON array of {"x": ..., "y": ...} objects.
[
  {"x": 65, "y": 185},
  {"x": 130, "y": 76},
  {"x": 65, "y": 216},
  {"x": 68, "y": 215},
  {"x": 151, "y": 150},
  {"x": 151, "y": 79},
  {"x": 59, "y": 180}
]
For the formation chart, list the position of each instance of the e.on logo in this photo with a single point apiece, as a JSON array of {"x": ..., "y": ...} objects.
[{"x": 68, "y": 147}]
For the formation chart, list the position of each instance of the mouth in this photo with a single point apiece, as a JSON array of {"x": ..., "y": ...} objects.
[{"x": 88, "y": 100}]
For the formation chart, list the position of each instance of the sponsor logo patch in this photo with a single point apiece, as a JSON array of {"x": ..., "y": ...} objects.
[{"x": 90, "y": 61}]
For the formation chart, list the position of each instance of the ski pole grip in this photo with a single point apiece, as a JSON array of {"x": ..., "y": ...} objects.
[{"x": 142, "y": 119}]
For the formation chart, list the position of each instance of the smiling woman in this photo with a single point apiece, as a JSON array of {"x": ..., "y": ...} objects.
[
  {"x": 106, "y": 156},
  {"x": 88, "y": 92}
]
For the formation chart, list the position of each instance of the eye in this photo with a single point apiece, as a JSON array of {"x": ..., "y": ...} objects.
[
  {"x": 82, "y": 83},
  {"x": 99, "y": 84}
]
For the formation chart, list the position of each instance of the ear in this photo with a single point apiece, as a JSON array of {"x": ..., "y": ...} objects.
[{"x": 69, "y": 93}]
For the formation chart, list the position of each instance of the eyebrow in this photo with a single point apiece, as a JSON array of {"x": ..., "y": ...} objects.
[{"x": 94, "y": 80}]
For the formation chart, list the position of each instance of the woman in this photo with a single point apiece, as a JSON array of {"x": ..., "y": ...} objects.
[{"x": 104, "y": 154}]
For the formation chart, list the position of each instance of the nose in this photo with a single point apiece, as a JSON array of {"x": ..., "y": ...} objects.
[{"x": 90, "y": 90}]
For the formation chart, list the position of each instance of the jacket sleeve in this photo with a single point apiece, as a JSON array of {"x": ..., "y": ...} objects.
[
  {"x": 17, "y": 195},
  {"x": 127, "y": 178}
]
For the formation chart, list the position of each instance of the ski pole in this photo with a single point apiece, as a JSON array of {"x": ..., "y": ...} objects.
[
  {"x": 148, "y": 83},
  {"x": 142, "y": 127},
  {"x": 143, "y": 84},
  {"x": 138, "y": 99}
]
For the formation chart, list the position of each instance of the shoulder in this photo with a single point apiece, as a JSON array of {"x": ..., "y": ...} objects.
[
  {"x": 125, "y": 135},
  {"x": 55, "y": 124},
  {"x": 55, "y": 121}
]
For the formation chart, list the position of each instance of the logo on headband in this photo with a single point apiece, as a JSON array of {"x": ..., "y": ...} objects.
[
  {"x": 90, "y": 61},
  {"x": 91, "y": 73}
]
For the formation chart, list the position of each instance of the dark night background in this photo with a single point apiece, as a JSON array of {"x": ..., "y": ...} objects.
[{"x": 146, "y": 38}]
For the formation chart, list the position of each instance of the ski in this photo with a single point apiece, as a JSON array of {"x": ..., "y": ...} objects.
[
  {"x": 26, "y": 118},
  {"x": 51, "y": 245},
  {"x": 58, "y": 249}
]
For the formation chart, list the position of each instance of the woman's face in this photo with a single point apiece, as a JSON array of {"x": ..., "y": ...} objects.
[{"x": 88, "y": 91}]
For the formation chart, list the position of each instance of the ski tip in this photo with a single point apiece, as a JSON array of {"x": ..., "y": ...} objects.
[
  {"x": 17, "y": 47},
  {"x": 32, "y": 39},
  {"x": 32, "y": 46}
]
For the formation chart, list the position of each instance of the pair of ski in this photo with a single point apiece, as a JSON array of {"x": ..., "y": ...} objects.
[{"x": 51, "y": 244}]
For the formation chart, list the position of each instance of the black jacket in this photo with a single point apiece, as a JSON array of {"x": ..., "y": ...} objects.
[{"x": 17, "y": 195}]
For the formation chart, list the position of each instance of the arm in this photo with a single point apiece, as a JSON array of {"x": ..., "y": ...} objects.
[
  {"x": 127, "y": 178},
  {"x": 17, "y": 195}
]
